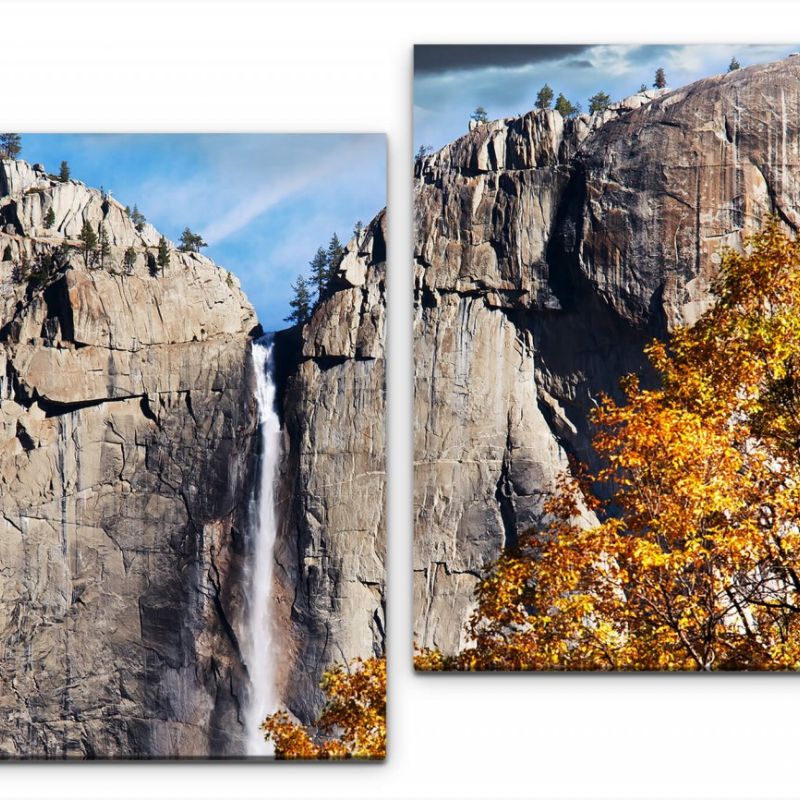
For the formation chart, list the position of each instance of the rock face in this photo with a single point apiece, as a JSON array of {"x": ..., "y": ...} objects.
[
  {"x": 547, "y": 253},
  {"x": 331, "y": 543},
  {"x": 126, "y": 468}
]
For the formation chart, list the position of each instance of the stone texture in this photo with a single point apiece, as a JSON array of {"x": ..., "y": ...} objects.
[
  {"x": 127, "y": 457},
  {"x": 331, "y": 543},
  {"x": 547, "y": 253}
]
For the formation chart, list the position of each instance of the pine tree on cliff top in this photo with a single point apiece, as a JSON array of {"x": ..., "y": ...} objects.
[
  {"x": 300, "y": 303},
  {"x": 319, "y": 271},
  {"x": 335, "y": 256},
  {"x": 544, "y": 97},
  {"x": 480, "y": 115},
  {"x": 10, "y": 145},
  {"x": 138, "y": 219},
  {"x": 191, "y": 242},
  {"x": 599, "y": 102},
  {"x": 565, "y": 107},
  {"x": 661, "y": 79}
]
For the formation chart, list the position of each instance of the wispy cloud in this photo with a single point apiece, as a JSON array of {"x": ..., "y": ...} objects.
[{"x": 258, "y": 202}]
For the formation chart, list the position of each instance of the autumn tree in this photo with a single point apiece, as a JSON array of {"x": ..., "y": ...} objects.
[
  {"x": 692, "y": 560},
  {"x": 544, "y": 97},
  {"x": 352, "y": 724}
]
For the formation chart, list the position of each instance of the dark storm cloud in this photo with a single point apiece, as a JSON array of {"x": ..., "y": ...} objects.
[{"x": 432, "y": 59}]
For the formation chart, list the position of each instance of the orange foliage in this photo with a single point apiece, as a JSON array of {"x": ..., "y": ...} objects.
[
  {"x": 693, "y": 559},
  {"x": 352, "y": 724}
]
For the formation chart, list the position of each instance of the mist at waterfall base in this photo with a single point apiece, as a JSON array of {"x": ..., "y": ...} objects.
[{"x": 259, "y": 655}]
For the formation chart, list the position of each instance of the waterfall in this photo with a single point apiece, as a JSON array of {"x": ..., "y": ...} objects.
[{"x": 259, "y": 652}]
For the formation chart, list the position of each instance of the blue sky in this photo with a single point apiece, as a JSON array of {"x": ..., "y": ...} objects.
[
  {"x": 263, "y": 202},
  {"x": 450, "y": 81}
]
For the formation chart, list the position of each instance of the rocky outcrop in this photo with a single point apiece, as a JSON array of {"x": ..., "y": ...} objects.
[
  {"x": 547, "y": 253},
  {"x": 126, "y": 461},
  {"x": 331, "y": 542}
]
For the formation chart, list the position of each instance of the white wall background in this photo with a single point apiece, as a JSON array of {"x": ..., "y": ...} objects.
[{"x": 346, "y": 66}]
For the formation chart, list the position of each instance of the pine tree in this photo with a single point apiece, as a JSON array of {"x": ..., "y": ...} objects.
[
  {"x": 480, "y": 115},
  {"x": 661, "y": 79},
  {"x": 10, "y": 145},
  {"x": 103, "y": 247},
  {"x": 424, "y": 150},
  {"x": 734, "y": 65},
  {"x": 599, "y": 102},
  {"x": 129, "y": 260},
  {"x": 88, "y": 239},
  {"x": 163, "y": 254},
  {"x": 357, "y": 228},
  {"x": 335, "y": 255},
  {"x": 43, "y": 265},
  {"x": 50, "y": 218},
  {"x": 137, "y": 218},
  {"x": 191, "y": 242},
  {"x": 300, "y": 303},
  {"x": 319, "y": 272},
  {"x": 544, "y": 97},
  {"x": 63, "y": 173},
  {"x": 565, "y": 107},
  {"x": 152, "y": 264},
  {"x": 643, "y": 88},
  {"x": 22, "y": 270}
]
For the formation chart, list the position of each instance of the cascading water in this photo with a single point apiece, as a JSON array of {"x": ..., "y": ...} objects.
[{"x": 259, "y": 653}]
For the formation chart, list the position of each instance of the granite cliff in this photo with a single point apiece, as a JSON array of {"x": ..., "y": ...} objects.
[
  {"x": 128, "y": 461},
  {"x": 331, "y": 546},
  {"x": 548, "y": 252}
]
